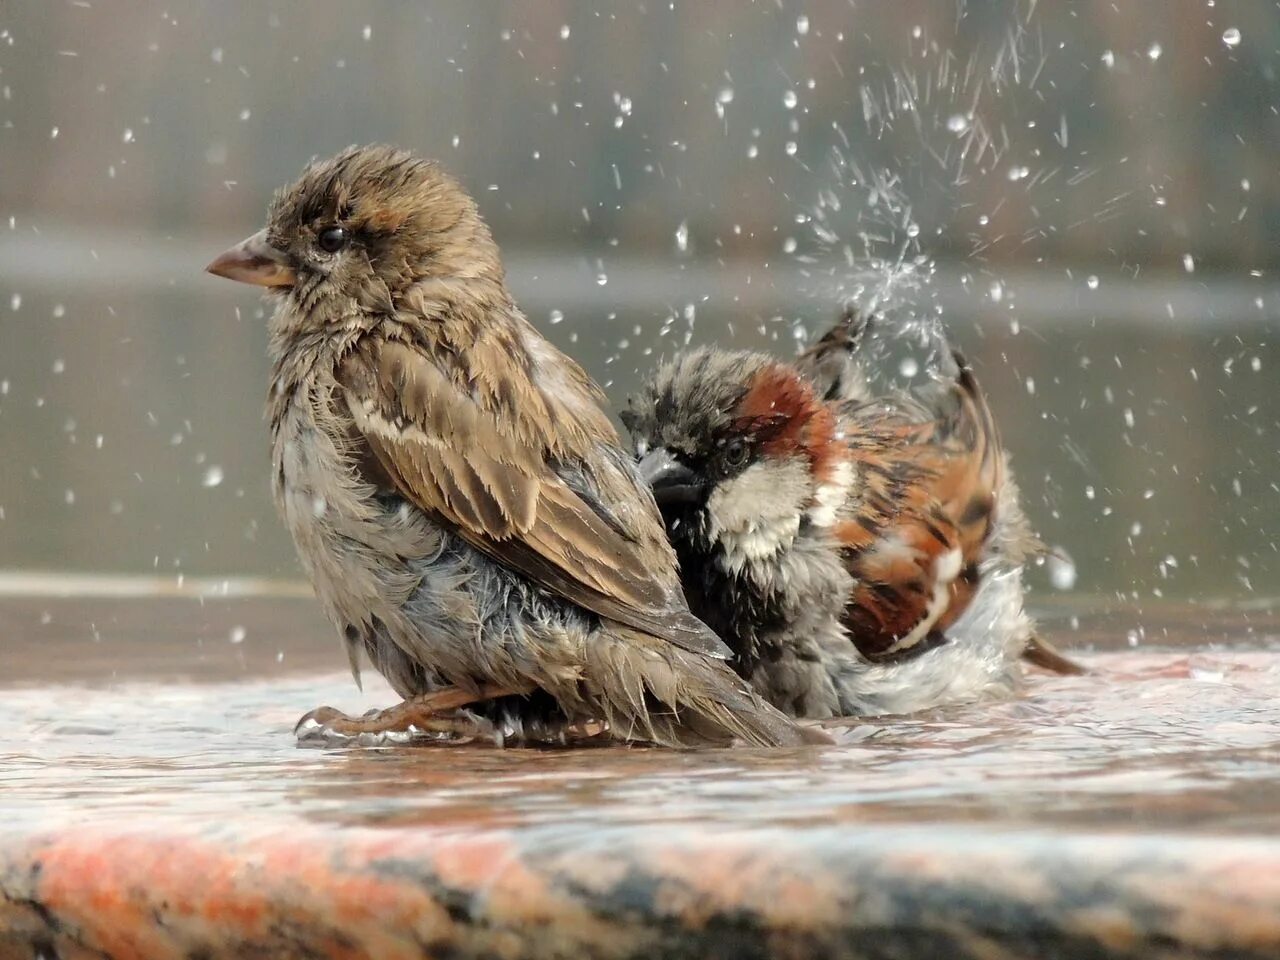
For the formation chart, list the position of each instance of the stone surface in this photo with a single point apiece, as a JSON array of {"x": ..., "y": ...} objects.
[{"x": 798, "y": 893}]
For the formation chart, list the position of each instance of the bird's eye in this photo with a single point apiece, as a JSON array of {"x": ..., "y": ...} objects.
[
  {"x": 735, "y": 453},
  {"x": 332, "y": 239}
]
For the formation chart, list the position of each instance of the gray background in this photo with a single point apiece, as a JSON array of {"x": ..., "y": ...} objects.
[{"x": 1086, "y": 193}]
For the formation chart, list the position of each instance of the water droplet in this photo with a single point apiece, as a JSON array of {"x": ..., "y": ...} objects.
[
  {"x": 753, "y": 151},
  {"x": 1091, "y": 282},
  {"x": 1017, "y": 173},
  {"x": 212, "y": 477},
  {"x": 1154, "y": 51},
  {"x": 1188, "y": 263},
  {"x": 1062, "y": 570},
  {"x": 725, "y": 95},
  {"x": 909, "y": 367},
  {"x": 556, "y": 316},
  {"x": 682, "y": 236},
  {"x": 1206, "y": 674},
  {"x": 367, "y": 32},
  {"x": 127, "y": 136},
  {"x": 958, "y": 123},
  {"x": 997, "y": 291},
  {"x": 789, "y": 100},
  {"x": 791, "y": 148},
  {"x": 238, "y": 633},
  {"x": 1231, "y": 37},
  {"x": 802, "y": 25},
  {"x": 1108, "y": 59},
  {"x": 564, "y": 32},
  {"x": 789, "y": 245},
  {"x": 913, "y": 230},
  {"x": 601, "y": 279}
]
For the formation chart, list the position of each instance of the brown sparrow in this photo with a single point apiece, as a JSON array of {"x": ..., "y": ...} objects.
[
  {"x": 860, "y": 555},
  {"x": 463, "y": 507}
]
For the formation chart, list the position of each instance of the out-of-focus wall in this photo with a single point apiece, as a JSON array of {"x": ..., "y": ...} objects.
[{"x": 1127, "y": 133}]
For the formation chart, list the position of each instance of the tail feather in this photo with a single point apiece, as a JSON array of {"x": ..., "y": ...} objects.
[
  {"x": 1043, "y": 654},
  {"x": 832, "y": 364},
  {"x": 661, "y": 693},
  {"x": 983, "y": 423}
]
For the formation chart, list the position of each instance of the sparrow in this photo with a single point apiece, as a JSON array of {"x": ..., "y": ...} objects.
[
  {"x": 464, "y": 508},
  {"x": 861, "y": 554}
]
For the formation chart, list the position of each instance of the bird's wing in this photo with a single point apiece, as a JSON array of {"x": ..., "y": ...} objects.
[
  {"x": 931, "y": 477},
  {"x": 576, "y": 522}
]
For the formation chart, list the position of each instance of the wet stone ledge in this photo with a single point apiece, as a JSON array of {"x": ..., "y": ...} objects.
[{"x": 633, "y": 893}]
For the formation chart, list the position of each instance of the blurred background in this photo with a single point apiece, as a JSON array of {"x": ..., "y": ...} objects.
[{"x": 1084, "y": 195}]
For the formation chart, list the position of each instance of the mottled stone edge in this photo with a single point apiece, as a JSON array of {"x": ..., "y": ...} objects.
[{"x": 657, "y": 891}]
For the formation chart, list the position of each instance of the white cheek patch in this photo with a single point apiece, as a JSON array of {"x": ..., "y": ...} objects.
[
  {"x": 760, "y": 541},
  {"x": 831, "y": 496},
  {"x": 757, "y": 513}
]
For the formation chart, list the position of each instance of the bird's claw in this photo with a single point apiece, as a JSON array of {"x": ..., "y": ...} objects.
[{"x": 328, "y": 726}]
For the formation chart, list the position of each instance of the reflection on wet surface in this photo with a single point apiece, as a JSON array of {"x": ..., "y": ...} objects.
[{"x": 1166, "y": 736}]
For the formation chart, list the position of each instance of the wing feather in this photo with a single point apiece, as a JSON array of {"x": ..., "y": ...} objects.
[
  {"x": 933, "y": 474},
  {"x": 503, "y": 488}
]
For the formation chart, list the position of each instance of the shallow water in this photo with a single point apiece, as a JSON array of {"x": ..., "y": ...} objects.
[{"x": 188, "y": 727}]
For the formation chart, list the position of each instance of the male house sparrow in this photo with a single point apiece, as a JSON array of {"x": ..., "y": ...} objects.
[
  {"x": 462, "y": 505},
  {"x": 861, "y": 556}
]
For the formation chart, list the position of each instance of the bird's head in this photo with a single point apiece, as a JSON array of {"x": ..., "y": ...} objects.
[
  {"x": 363, "y": 228},
  {"x": 739, "y": 453}
]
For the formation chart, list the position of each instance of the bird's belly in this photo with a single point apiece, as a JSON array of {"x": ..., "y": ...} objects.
[{"x": 361, "y": 551}]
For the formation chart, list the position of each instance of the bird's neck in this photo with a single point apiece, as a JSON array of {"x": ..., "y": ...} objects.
[
  {"x": 743, "y": 602},
  {"x": 300, "y": 344}
]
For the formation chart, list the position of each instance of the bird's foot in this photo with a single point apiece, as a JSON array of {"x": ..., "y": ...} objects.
[{"x": 437, "y": 715}]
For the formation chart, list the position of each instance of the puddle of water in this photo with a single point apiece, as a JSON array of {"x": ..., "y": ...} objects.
[{"x": 1163, "y": 738}]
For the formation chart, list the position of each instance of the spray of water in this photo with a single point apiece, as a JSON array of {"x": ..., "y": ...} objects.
[{"x": 869, "y": 238}]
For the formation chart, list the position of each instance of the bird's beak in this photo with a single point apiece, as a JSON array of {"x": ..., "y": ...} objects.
[
  {"x": 671, "y": 481},
  {"x": 254, "y": 261}
]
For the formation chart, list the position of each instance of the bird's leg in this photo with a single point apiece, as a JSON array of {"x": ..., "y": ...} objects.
[{"x": 435, "y": 712}]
